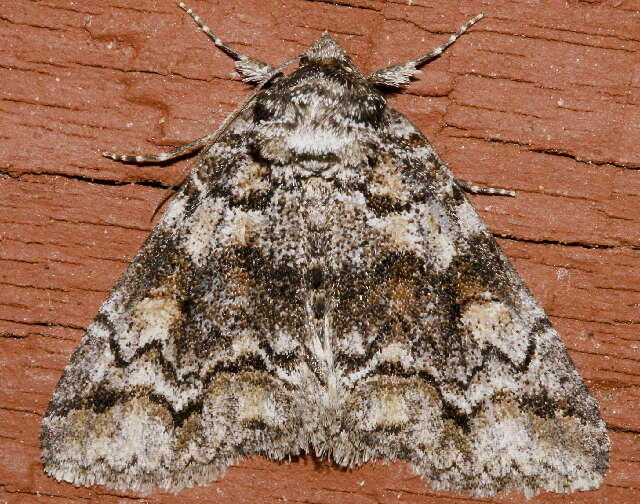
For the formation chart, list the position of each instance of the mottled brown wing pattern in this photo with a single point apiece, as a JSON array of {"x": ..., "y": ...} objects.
[
  {"x": 321, "y": 283},
  {"x": 447, "y": 361},
  {"x": 194, "y": 359}
]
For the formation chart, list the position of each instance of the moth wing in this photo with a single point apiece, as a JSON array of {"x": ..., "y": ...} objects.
[
  {"x": 190, "y": 362},
  {"x": 446, "y": 360}
]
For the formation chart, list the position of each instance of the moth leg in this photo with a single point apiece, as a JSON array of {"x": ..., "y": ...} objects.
[
  {"x": 400, "y": 75},
  {"x": 163, "y": 156},
  {"x": 252, "y": 70},
  {"x": 474, "y": 189}
]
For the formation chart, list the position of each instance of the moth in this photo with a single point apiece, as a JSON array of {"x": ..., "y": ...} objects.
[{"x": 321, "y": 284}]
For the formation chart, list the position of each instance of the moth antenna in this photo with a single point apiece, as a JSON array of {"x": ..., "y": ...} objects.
[
  {"x": 251, "y": 69},
  {"x": 399, "y": 75}
]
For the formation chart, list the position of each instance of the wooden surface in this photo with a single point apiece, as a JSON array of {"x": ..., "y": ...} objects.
[{"x": 542, "y": 97}]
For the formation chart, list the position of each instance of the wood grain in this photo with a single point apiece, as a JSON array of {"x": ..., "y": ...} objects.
[{"x": 541, "y": 97}]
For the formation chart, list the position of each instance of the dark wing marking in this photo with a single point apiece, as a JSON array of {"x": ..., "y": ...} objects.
[
  {"x": 444, "y": 359},
  {"x": 194, "y": 359}
]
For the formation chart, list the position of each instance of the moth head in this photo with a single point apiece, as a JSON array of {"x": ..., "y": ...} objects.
[{"x": 326, "y": 51}]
